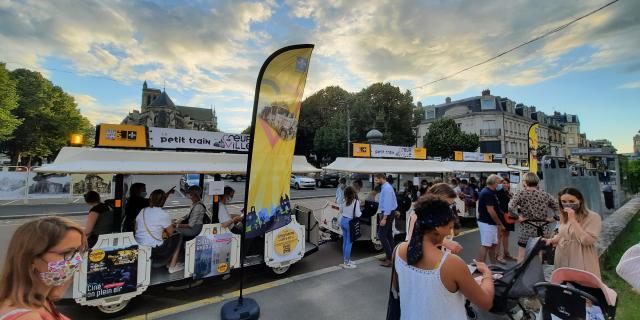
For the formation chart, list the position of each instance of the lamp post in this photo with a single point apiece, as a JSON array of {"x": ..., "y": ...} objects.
[{"x": 348, "y": 130}]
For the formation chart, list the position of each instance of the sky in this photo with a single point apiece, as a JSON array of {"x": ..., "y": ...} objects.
[{"x": 208, "y": 53}]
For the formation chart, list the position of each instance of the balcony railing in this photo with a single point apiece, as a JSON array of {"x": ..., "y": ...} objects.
[{"x": 490, "y": 132}]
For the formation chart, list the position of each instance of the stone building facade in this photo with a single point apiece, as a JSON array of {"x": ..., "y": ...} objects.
[
  {"x": 503, "y": 126},
  {"x": 158, "y": 110}
]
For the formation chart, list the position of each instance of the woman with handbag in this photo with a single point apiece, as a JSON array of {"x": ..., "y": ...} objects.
[
  {"x": 154, "y": 229},
  {"x": 350, "y": 212},
  {"x": 433, "y": 284}
]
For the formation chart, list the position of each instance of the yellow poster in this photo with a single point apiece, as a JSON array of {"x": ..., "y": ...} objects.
[
  {"x": 458, "y": 155},
  {"x": 121, "y": 135},
  {"x": 420, "y": 153},
  {"x": 533, "y": 147},
  {"x": 273, "y": 137},
  {"x": 361, "y": 150},
  {"x": 488, "y": 157}
]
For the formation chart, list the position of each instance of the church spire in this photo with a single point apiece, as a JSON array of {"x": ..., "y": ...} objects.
[{"x": 144, "y": 84}]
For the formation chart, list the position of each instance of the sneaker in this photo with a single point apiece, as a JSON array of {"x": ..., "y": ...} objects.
[
  {"x": 176, "y": 268},
  {"x": 344, "y": 265},
  {"x": 351, "y": 265}
]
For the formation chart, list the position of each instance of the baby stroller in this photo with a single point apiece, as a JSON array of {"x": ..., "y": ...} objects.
[
  {"x": 517, "y": 282},
  {"x": 576, "y": 294}
]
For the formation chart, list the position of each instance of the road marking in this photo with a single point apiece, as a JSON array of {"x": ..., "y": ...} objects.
[
  {"x": 232, "y": 295},
  {"x": 466, "y": 232}
]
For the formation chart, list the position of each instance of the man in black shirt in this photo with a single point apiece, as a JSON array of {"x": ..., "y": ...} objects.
[{"x": 488, "y": 218}]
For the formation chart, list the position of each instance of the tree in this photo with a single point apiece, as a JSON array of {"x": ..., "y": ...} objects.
[
  {"x": 247, "y": 130},
  {"x": 543, "y": 150},
  {"x": 382, "y": 106},
  {"x": 8, "y": 102},
  {"x": 49, "y": 116},
  {"x": 331, "y": 139},
  {"x": 444, "y": 137},
  {"x": 317, "y": 111}
]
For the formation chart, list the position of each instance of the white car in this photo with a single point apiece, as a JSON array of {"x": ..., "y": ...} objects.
[{"x": 300, "y": 182}]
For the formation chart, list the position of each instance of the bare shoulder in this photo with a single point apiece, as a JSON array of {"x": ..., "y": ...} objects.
[
  {"x": 402, "y": 250},
  {"x": 455, "y": 262}
]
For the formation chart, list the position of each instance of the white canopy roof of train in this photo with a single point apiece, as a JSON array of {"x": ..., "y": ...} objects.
[
  {"x": 122, "y": 161},
  {"x": 373, "y": 165},
  {"x": 466, "y": 166}
]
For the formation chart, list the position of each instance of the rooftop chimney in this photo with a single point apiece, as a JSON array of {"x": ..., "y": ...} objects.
[
  {"x": 447, "y": 100},
  {"x": 486, "y": 92}
]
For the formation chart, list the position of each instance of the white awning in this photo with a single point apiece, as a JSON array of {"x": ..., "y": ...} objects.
[
  {"x": 370, "y": 165},
  {"x": 519, "y": 168},
  {"x": 466, "y": 166},
  {"x": 121, "y": 161}
]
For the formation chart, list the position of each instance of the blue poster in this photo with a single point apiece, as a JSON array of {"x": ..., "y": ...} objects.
[{"x": 213, "y": 255}]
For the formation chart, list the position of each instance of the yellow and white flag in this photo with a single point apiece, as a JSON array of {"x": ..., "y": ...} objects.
[{"x": 276, "y": 111}]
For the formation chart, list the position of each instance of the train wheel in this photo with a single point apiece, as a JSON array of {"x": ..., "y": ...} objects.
[
  {"x": 376, "y": 247},
  {"x": 114, "y": 309},
  {"x": 280, "y": 271}
]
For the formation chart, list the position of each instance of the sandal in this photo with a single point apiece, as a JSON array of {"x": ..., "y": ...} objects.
[{"x": 501, "y": 260}]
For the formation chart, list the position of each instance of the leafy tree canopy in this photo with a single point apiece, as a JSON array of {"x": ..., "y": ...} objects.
[{"x": 444, "y": 137}]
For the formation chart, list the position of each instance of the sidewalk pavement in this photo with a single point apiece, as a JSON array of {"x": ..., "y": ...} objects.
[{"x": 327, "y": 294}]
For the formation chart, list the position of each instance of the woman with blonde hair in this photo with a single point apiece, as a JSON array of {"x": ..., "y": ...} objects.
[
  {"x": 579, "y": 231},
  {"x": 42, "y": 258}
]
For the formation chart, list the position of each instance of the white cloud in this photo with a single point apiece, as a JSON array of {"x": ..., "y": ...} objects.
[
  {"x": 631, "y": 85},
  {"x": 99, "y": 113}
]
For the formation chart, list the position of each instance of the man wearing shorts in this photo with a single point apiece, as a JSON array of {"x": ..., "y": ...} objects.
[{"x": 488, "y": 218}]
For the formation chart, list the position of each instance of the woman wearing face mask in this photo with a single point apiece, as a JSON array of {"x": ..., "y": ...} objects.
[
  {"x": 579, "y": 231},
  {"x": 226, "y": 219},
  {"x": 42, "y": 258},
  {"x": 434, "y": 284}
]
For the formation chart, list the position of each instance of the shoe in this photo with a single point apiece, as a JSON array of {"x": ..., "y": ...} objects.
[
  {"x": 351, "y": 265},
  {"x": 383, "y": 258},
  {"x": 176, "y": 268},
  {"x": 344, "y": 265},
  {"x": 386, "y": 263}
]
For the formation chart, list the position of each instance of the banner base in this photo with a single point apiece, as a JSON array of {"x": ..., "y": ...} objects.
[{"x": 245, "y": 309}]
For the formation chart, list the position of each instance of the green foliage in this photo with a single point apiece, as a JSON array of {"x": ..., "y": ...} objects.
[
  {"x": 542, "y": 151},
  {"x": 317, "y": 110},
  {"x": 331, "y": 139},
  {"x": 49, "y": 116},
  {"x": 444, "y": 137},
  {"x": 628, "y": 306},
  {"x": 8, "y": 102},
  {"x": 632, "y": 176},
  {"x": 382, "y": 106},
  {"x": 323, "y": 118},
  {"x": 247, "y": 130}
]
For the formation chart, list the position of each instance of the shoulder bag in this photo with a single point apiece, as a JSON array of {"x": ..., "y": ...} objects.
[
  {"x": 165, "y": 235},
  {"x": 354, "y": 224}
]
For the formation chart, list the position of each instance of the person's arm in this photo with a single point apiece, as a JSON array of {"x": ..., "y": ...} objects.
[
  {"x": 33, "y": 315},
  {"x": 514, "y": 203},
  {"x": 91, "y": 222},
  {"x": 453, "y": 246},
  {"x": 231, "y": 221},
  {"x": 494, "y": 216},
  {"x": 588, "y": 233},
  {"x": 481, "y": 295},
  {"x": 552, "y": 203},
  {"x": 358, "y": 212}
]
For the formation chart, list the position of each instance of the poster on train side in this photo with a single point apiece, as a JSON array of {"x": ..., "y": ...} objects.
[
  {"x": 213, "y": 255},
  {"x": 112, "y": 271},
  {"x": 276, "y": 111}
]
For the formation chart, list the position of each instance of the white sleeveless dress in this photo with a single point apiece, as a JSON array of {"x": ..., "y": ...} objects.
[{"x": 423, "y": 296}]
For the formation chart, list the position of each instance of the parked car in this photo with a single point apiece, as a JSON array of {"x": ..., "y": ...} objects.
[
  {"x": 360, "y": 176},
  {"x": 327, "y": 179},
  {"x": 300, "y": 182},
  {"x": 188, "y": 180},
  {"x": 234, "y": 177}
]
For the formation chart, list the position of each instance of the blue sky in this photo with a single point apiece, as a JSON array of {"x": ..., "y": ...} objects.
[{"x": 207, "y": 53}]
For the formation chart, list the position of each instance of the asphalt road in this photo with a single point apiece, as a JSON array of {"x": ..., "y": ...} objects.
[{"x": 43, "y": 207}]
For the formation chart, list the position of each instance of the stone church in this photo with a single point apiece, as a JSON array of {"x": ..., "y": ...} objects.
[{"x": 157, "y": 110}]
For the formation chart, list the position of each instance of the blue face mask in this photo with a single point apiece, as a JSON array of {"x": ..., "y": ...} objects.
[
  {"x": 499, "y": 187},
  {"x": 143, "y": 194}
]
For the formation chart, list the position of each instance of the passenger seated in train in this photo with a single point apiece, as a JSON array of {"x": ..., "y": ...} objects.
[
  {"x": 154, "y": 229},
  {"x": 136, "y": 202},
  {"x": 229, "y": 220},
  {"x": 99, "y": 220},
  {"x": 190, "y": 225}
]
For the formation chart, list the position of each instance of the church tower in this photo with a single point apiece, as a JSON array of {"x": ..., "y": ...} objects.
[{"x": 148, "y": 95}]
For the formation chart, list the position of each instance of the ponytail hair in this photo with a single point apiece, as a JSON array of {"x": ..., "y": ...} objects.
[{"x": 431, "y": 213}]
